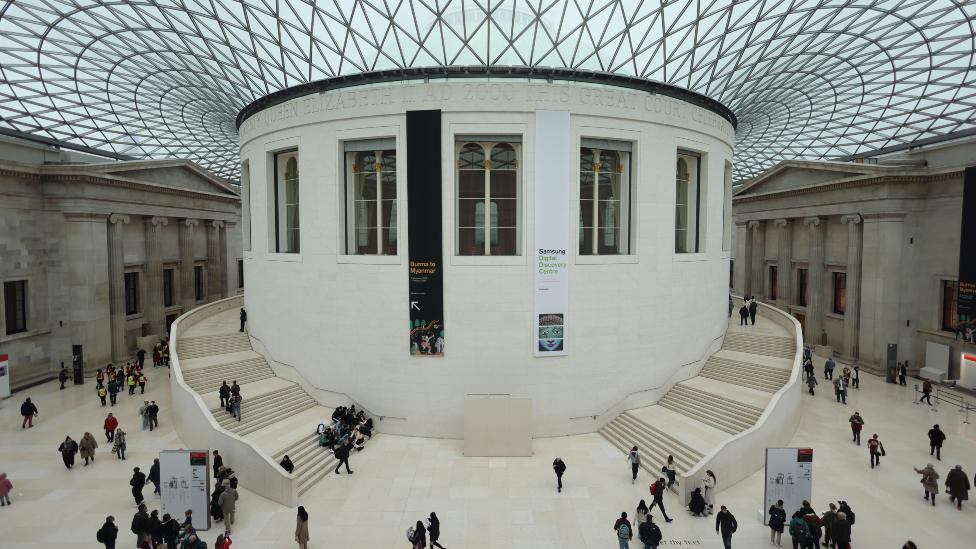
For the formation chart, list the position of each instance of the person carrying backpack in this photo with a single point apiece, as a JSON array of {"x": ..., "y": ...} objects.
[
  {"x": 650, "y": 534},
  {"x": 624, "y": 532},
  {"x": 108, "y": 533},
  {"x": 726, "y": 525},
  {"x": 777, "y": 518},
  {"x": 799, "y": 531}
]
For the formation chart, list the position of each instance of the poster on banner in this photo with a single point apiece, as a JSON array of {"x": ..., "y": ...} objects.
[
  {"x": 184, "y": 477},
  {"x": 4, "y": 376},
  {"x": 552, "y": 184},
  {"x": 789, "y": 477}
]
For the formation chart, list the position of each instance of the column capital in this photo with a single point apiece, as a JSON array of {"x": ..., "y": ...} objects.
[
  {"x": 812, "y": 221},
  {"x": 781, "y": 223},
  {"x": 190, "y": 222},
  {"x": 156, "y": 220},
  {"x": 756, "y": 224},
  {"x": 118, "y": 218},
  {"x": 229, "y": 224},
  {"x": 216, "y": 223},
  {"x": 853, "y": 219}
]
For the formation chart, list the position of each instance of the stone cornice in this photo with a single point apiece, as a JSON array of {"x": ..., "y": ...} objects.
[{"x": 851, "y": 184}]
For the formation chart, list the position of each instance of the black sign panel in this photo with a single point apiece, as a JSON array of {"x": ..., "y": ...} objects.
[
  {"x": 967, "y": 250},
  {"x": 424, "y": 233},
  {"x": 77, "y": 364}
]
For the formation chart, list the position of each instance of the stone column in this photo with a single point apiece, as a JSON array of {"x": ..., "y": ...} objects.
[
  {"x": 224, "y": 267},
  {"x": 743, "y": 259},
  {"x": 116, "y": 285},
  {"x": 882, "y": 299},
  {"x": 85, "y": 264},
  {"x": 815, "y": 280},
  {"x": 758, "y": 230},
  {"x": 852, "y": 312},
  {"x": 214, "y": 269},
  {"x": 187, "y": 295},
  {"x": 154, "y": 275},
  {"x": 784, "y": 263}
]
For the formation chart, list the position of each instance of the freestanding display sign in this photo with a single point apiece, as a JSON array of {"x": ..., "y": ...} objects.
[
  {"x": 789, "y": 477},
  {"x": 4, "y": 376},
  {"x": 77, "y": 364},
  {"x": 552, "y": 184},
  {"x": 184, "y": 477}
]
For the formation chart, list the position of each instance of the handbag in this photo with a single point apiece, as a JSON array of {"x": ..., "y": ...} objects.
[{"x": 882, "y": 450}]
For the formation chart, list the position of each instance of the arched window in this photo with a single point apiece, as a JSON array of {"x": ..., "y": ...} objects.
[
  {"x": 604, "y": 199},
  {"x": 487, "y": 191},
  {"x": 371, "y": 191},
  {"x": 286, "y": 195}
]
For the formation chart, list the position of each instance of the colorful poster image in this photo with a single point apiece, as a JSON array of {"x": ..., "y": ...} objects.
[{"x": 550, "y": 333}]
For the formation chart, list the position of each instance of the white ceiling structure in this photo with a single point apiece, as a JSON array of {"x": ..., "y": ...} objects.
[{"x": 805, "y": 78}]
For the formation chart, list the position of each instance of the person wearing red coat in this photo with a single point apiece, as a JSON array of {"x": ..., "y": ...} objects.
[{"x": 111, "y": 422}]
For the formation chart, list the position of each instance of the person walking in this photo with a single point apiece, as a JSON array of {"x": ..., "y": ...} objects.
[
  {"x": 113, "y": 391},
  {"x": 419, "y": 538},
  {"x": 657, "y": 492},
  {"x": 828, "y": 518},
  {"x": 228, "y": 505},
  {"x": 875, "y": 450},
  {"x": 731, "y": 308},
  {"x": 153, "y": 412},
  {"x": 141, "y": 358},
  {"x": 63, "y": 377},
  {"x": 726, "y": 525},
  {"x": 87, "y": 447},
  {"x": 102, "y": 392},
  {"x": 649, "y": 533},
  {"x": 301, "y": 528},
  {"x": 342, "y": 454},
  {"x": 243, "y": 318},
  {"x": 856, "y": 380},
  {"x": 743, "y": 315},
  {"x": 235, "y": 406},
  {"x": 6, "y": 486},
  {"x": 142, "y": 383},
  {"x": 640, "y": 514},
  {"x": 153, "y": 528},
  {"x": 434, "y": 530},
  {"x": 224, "y": 393},
  {"x": 777, "y": 519},
  {"x": 108, "y": 533},
  {"x": 144, "y": 415},
  {"x": 559, "y": 467},
  {"x": 624, "y": 531},
  {"x": 140, "y": 523},
  {"x": 634, "y": 459},
  {"x": 68, "y": 449},
  {"x": 753, "y": 308},
  {"x": 223, "y": 541},
  {"x": 829, "y": 368},
  {"x": 936, "y": 438},
  {"x": 168, "y": 530},
  {"x": 28, "y": 411},
  {"x": 840, "y": 389},
  {"x": 671, "y": 471},
  {"x": 926, "y": 391},
  {"x": 930, "y": 481},
  {"x": 902, "y": 373},
  {"x": 811, "y": 383},
  {"x": 154, "y": 476},
  {"x": 137, "y": 481},
  {"x": 799, "y": 531},
  {"x": 957, "y": 486},
  {"x": 841, "y": 531},
  {"x": 131, "y": 380},
  {"x": 118, "y": 445},
  {"x": 857, "y": 423},
  {"x": 708, "y": 483}
]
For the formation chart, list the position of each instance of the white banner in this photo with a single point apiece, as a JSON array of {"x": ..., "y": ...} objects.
[
  {"x": 789, "y": 477},
  {"x": 551, "y": 254},
  {"x": 4, "y": 376},
  {"x": 184, "y": 477}
]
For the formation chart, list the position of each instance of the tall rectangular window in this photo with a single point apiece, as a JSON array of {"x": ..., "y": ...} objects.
[
  {"x": 840, "y": 292},
  {"x": 488, "y": 197},
  {"x": 731, "y": 274},
  {"x": 131, "y": 293},
  {"x": 168, "y": 287},
  {"x": 801, "y": 287},
  {"x": 240, "y": 274},
  {"x": 287, "y": 227},
  {"x": 727, "y": 209},
  {"x": 687, "y": 202},
  {"x": 371, "y": 197},
  {"x": 604, "y": 194},
  {"x": 772, "y": 281},
  {"x": 246, "y": 204},
  {"x": 950, "y": 310},
  {"x": 15, "y": 306},
  {"x": 198, "y": 282}
]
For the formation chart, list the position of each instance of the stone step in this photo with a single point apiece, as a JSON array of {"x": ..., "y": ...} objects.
[
  {"x": 255, "y": 404},
  {"x": 208, "y": 386},
  {"x": 219, "y": 372},
  {"x": 710, "y": 399},
  {"x": 747, "y": 375},
  {"x": 195, "y": 347},
  {"x": 652, "y": 457},
  {"x": 654, "y": 445},
  {"x": 716, "y": 417},
  {"x": 268, "y": 416},
  {"x": 671, "y": 441}
]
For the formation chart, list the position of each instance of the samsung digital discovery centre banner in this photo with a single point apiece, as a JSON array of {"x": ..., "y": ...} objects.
[{"x": 552, "y": 183}]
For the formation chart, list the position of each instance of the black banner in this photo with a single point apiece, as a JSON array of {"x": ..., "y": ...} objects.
[
  {"x": 967, "y": 250},
  {"x": 424, "y": 233}
]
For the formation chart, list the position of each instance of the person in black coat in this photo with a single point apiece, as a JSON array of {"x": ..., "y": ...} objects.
[
  {"x": 168, "y": 530},
  {"x": 419, "y": 539},
  {"x": 137, "y": 482},
  {"x": 224, "y": 392},
  {"x": 63, "y": 376},
  {"x": 649, "y": 533},
  {"x": 108, "y": 533},
  {"x": 140, "y": 523},
  {"x": 342, "y": 454},
  {"x": 697, "y": 504},
  {"x": 154, "y": 527},
  {"x": 753, "y": 308},
  {"x": 559, "y": 467},
  {"x": 215, "y": 511},
  {"x": 777, "y": 518},
  {"x": 28, "y": 411},
  {"x": 936, "y": 438},
  {"x": 659, "y": 487},
  {"x": 434, "y": 530},
  {"x": 243, "y": 318},
  {"x": 154, "y": 475},
  {"x": 743, "y": 316},
  {"x": 68, "y": 449},
  {"x": 218, "y": 462},
  {"x": 287, "y": 465},
  {"x": 726, "y": 525}
]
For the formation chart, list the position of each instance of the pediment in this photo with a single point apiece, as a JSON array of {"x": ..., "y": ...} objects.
[
  {"x": 796, "y": 174},
  {"x": 178, "y": 174}
]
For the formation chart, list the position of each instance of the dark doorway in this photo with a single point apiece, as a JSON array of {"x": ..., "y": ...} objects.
[{"x": 170, "y": 318}]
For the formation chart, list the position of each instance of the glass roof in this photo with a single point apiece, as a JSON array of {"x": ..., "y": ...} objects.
[{"x": 806, "y": 78}]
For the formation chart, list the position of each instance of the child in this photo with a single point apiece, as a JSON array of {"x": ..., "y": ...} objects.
[{"x": 102, "y": 393}]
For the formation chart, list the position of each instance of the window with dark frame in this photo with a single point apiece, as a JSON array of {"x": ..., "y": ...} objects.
[
  {"x": 168, "y": 288},
  {"x": 950, "y": 305},
  {"x": 840, "y": 292},
  {"x": 731, "y": 274},
  {"x": 772, "y": 281},
  {"x": 604, "y": 198},
  {"x": 198, "y": 282},
  {"x": 487, "y": 197},
  {"x": 15, "y": 306},
  {"x": 240, "y": 274},
  {"x": 131, "y": 293},
  {"x": 801, "y": 287},
  {"x": 371, "y": 197},
  {"x": 286, "y": 195}
]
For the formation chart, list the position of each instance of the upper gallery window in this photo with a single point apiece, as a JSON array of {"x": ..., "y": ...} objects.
[
  {"x": 604, "y": 218},
  {"x": 950, "y": 307},
  {"x": 371, "y": 197},
  {"x": 168, "y": 298},
  {"x": 488, "y": 198},
  {"x": 287, "y": 227},
  {"x": 15, "y": 306},
  {"x": 246, "y": 204},
  {"x": 131, "y": 293},
  {"x": 801, "y": 287},
  {"x": 773, "y": 281},
  {"x": 840, "y": 292},
  {"x": 687, "y": 197}
]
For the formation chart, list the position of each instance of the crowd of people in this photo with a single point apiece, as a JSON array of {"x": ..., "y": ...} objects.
[
  {"x": 230, "y": 398},
  {"x": 349, "y": 430}
]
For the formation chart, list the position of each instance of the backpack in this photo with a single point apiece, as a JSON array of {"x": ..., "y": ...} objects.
[
  {"x": 800, "y": 531},
  {"x": 410, "y": 533},
  {"x": 850, "y": 516},
  {"x": 100, "y": 535},
  {"x": 653, "y": 488},
  {"x": 623, "y": 532}
]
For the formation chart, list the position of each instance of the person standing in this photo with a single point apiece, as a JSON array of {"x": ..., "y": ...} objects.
[
  {"x": 228, "y": 505},
  {"x": 342, "y": 454},
  {"x": 828, "y": 518},
  {"x": 857, "y": 423},
  {"x": 841, "y": 531},
  {"x": 142, "y": 383},
  {"x": 777, "y": 518},
  {"x": 829, "y": 368},
  {"x": 957, "y": 485},
  {"x": 875, "y": 450},
  {"x": 726, "y": 525},
  {"x": 223, "y": 542},
  {"x": 154, "y": 528},
  {"x": 287, "y": 465},
  {"x": 154, "y": 476},
  {"x": 301, "y": 528},
  {"x": 63, "y": 377},
  {"x": 926, "y": 391},
  {"x": 217, "y": 462},
  {"x": 6, "y": 487},
  {"x": 936, "y": 438},
  {"x": 102, "y": 392},
  {"x": 243, "y": 318},
  {"x": 743, "y": 315},
  {"x": 168, "y": 530},
  {"x": 657, "y": 491},
  {"x": 856, "y": 380},
  {"x": 559, "y": 467},
  {"x": 434, "y": 530},
  {"x": 153, "y": 412},
  {"x": 811, "y": 383},
  {"x": 649, "y": 533},
  {"x": 813, "y": 525},
  {"x": 624, "y": 531},
  {"x": 29, "y": 412},
  {"x": 68, "y": 449},
  {"x": 902, "y": 373},
  {"x": 224, "y": 393},
  {"x": 113, "y": 391},
  {"x": 634, "y": 459},
  {"x": 731, "y": 308},
  {"x": 118, "y": 446},
  {"x": 799, "y": 531},
  {"x": 708, "y": 483},
  {"x": 137, "y": 481},
  {"x": 640, "y": 514},
  {"x": 671, "y": 472},
  {"x": 141, "y": 358},
  {"x": 840, "y": 389},
  {"x": 140, "y": 523},
  {"x": 87, "y": 447},
  {"x": 419, "y": 538},
  {"x": 753, "y": 309},
  {"x": 930, "y": 481}
]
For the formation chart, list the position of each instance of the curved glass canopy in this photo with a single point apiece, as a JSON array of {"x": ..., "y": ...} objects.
[{"x": 806, "y": 78}]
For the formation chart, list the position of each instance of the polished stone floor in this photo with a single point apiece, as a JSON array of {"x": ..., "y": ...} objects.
[{"x": 483, "y": 503}]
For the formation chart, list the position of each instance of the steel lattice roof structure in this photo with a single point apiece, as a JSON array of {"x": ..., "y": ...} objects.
[{"x": 805, "y": 78}]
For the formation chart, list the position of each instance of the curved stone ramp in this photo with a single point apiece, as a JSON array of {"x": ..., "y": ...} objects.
[{"x": 732, "y": 395}]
